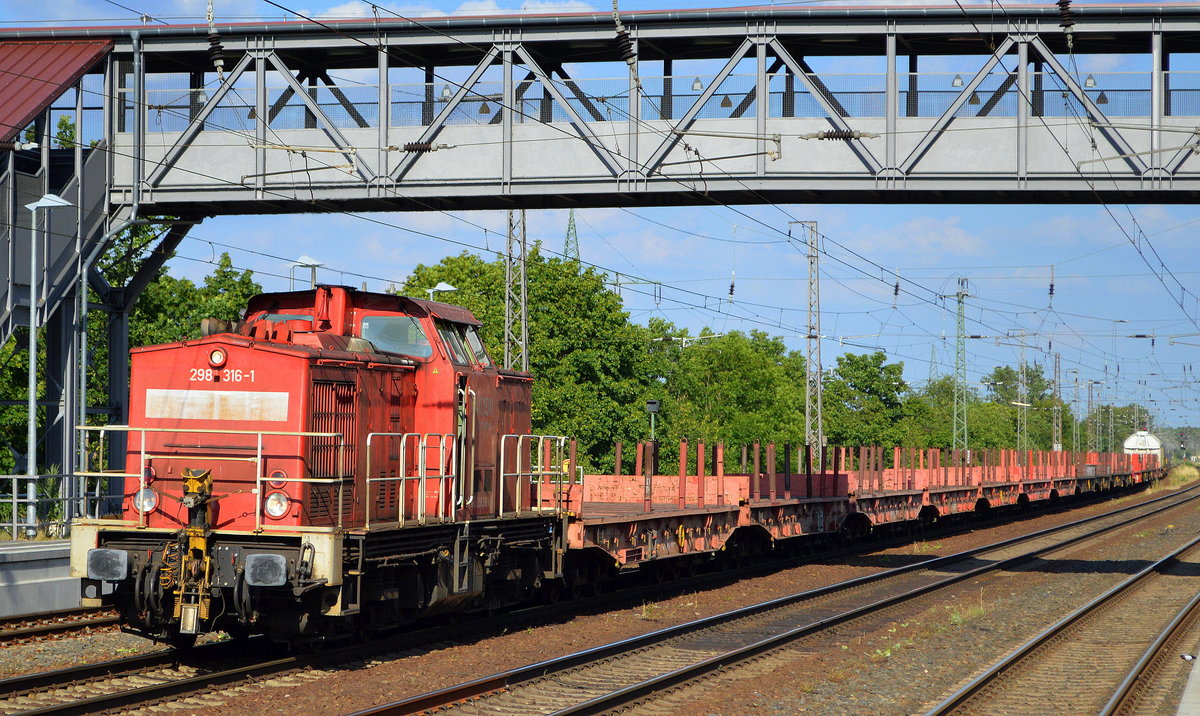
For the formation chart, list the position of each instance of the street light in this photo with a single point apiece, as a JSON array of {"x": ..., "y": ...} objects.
[
  {"x": 305, "y": 262},
  {"x": 442, "y": 286},
  {"x": 49, "y": 201}
]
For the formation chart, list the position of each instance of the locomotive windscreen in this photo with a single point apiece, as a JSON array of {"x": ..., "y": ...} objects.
[{"x": 397, "y": 334}]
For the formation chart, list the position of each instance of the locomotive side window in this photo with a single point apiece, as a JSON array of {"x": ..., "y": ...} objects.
[
  {"x": 476, "y": 346},
  {"x": 452, "y": 336},
  {"x": 397, "y": 334}
]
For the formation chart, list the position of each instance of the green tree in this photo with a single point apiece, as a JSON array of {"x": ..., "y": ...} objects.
[
  {"x": 170, "y": 309},
  {"x": 865, "y": 401},
  {"x": 590, "y": 361},
  {"x": 735, "y": 388}
]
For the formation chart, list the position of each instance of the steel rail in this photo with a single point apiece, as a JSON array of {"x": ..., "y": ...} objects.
[
  {"x": 972, "y": 688},
  {"x": 154, "y": 692},
  {"x": 505, "y": 680},
  {"x": 87, "y": 672},
  {"x": 1125, "y": 693},
  {"x": 17, "y": 629}
]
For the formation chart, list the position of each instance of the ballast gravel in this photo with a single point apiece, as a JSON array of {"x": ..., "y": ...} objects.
[{"x": 847, "y": 676}]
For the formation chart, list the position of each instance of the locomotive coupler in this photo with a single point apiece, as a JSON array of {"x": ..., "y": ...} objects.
[{"x": 192, "y": 591}]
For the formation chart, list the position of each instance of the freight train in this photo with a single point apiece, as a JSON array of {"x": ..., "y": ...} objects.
[{"x": 342, "y": 461}]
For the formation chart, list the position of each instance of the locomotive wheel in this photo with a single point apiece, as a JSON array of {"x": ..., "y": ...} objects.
[
  {"x": 183, "y": 642},
  {"x": 554, "y": 592}
]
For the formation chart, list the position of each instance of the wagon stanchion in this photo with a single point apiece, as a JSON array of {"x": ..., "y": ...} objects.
[
  {"x": 683, "y": 472},
  {"x": 640, "y": 468},
  {"x": 771, "y": 474},
  {"x": 755, "y": 475},
  {"x": 787, "y": 471},
  {"x": 720, "y": 469},
  {"x": 808, "y": 473}
]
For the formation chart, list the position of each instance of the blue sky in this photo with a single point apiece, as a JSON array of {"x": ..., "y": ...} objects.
[{"x": 1104, "y": 291}]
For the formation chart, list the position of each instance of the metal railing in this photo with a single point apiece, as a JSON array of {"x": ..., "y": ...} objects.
[
  {"x": 442, "y": 444},
  {"x": 531, "y": 460},
  {"x": 256, "y": 460},
  {"x": 33, "y": 514},
  {"x": 170, "y": 106}
]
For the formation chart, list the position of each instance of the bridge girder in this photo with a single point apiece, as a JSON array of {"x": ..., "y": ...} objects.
[{"x": 493, "y": 120}]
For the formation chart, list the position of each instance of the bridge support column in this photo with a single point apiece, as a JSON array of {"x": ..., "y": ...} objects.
[{"x": 1023, "y": 109}]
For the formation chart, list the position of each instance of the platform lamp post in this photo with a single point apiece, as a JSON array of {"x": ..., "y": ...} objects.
[
  {"x": 49, "y": 201},
  {"x": 442, "y": 286}
]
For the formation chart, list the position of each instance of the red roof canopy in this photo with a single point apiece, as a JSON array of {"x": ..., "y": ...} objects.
[{"x": 34, "y": 73}]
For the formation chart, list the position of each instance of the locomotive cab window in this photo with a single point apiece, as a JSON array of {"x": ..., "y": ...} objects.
[
  {"x": 279, "y": 317},
  {"x": 476, "y": 346},
  {"x": 456, "y": 346},
  {"x": 397, "y": 334}
]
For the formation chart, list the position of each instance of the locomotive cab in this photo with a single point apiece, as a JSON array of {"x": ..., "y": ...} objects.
[{"x": 339, "y": 457}]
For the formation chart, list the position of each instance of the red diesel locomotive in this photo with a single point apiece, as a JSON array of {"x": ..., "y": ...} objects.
[{"x": 341, "y": 460}]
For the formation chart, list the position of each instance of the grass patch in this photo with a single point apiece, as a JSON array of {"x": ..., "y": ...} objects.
[
  {"x": 957, "y": 615},
  {"x": 1181, "y": 475},
  {"x": 886, "y": 652},
  {"x": 960, "y": 614},
  {"x": 920, "y": 548}
]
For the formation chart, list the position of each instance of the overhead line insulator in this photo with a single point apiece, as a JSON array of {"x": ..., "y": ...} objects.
[
  {"x": 1066, "y": 19},
  {"x": 840, "y": 134},
  {"x": 216, "y": 52}
]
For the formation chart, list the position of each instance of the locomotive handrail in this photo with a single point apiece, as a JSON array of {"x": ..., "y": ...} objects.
[
  {"x": 213, "y": 431},
  {"x": 543, "y": 463},
  {"x": 423, "y": 445},
  {"x": 257, "y": 460}
]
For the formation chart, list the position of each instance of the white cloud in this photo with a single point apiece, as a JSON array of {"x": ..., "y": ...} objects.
[{"x": 922, "y": 240}]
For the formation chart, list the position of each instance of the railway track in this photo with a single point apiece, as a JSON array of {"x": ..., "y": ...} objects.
[
  {"x": 617, "y": 675},
  {"x": 164, "y": 676},
  {"x": 36, "y": 627},
  {"x": 1091, "y": 660},
  {"x": 121, "y": 682}
]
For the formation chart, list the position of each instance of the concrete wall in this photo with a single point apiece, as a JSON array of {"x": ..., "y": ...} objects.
[{"x": 33, "y": 578}]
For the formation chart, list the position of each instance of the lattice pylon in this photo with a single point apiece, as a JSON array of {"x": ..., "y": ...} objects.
[
  {"x": 571, "y": 244},
  {"x": 960, "y": 368},
  {"x": 516, "y": 315}
]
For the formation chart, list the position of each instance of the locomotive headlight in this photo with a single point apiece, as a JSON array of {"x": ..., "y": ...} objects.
[
  {"x": 145, "y": 500},
  {"x": 276, "y": 505},
  {"x": 278, "y": 479},
  {"x": 216, "y": 358}
]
